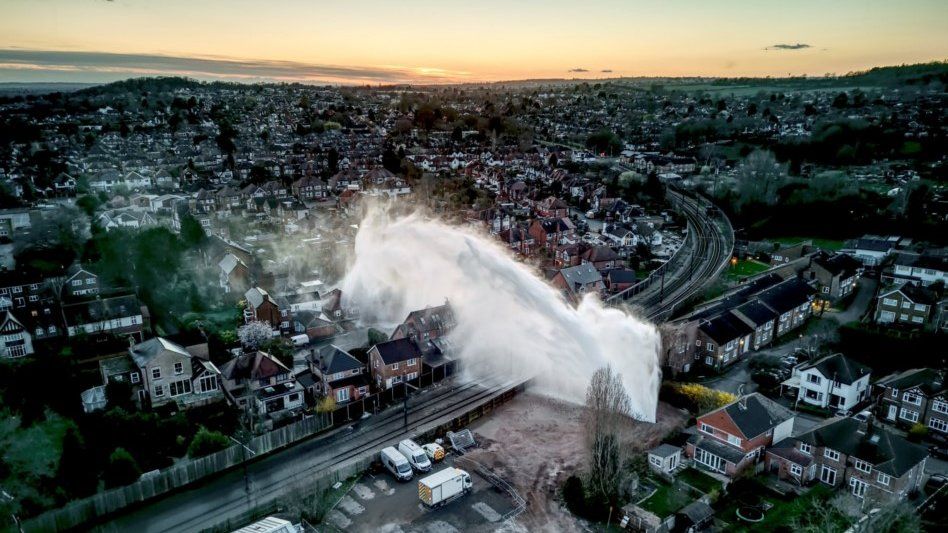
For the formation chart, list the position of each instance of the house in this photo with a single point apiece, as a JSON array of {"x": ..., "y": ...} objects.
[
  {"x": 835, "y": 275},
  {"x": 340, "y": 375},
  {"x": 871, "y": 250},
  {"x": 733, "y": 437},
  {"x": 905, "y": 304},
  {"x": 619, "y": 279},
  {"x": 759, "y": 317},
  {"x": 259, "y": 383},
  {"x": 17, "y": 341},
  {"x": 601, "y": 257},
  {"x": 424, "y": 326},
  {"x": 333, "y": 308},
  {"x": 861, "y": 457},
  {"x": 792, "y": 301},
  {"x": 313, "y": 324},
  {"x": 665, "y": 458},
  {"x": 833, "y": 382},
  {"x": 161, "y": 371},
  {"x": 394, "y": 361},
  {"x": 261, "y": 307},
  {"x": 550, "y": 232},
  {"x": 925, "y": 268},
  {"x": 120, "y": 314},
  {"x": 12, "y": 221},
  {"x": 916, "y": 396},
  {"x": 722, "y": 340},
  {"x": 234, "y": 274},
  {"x": 80, "y": 282},
  {"x": 310, "y": 188},
  {"x": 577, "y": 281}
]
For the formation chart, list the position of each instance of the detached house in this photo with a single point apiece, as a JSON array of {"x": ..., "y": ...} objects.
[
  {"x": 905, "y": 304},
  {"x": 423, "y": 327},
  {"x": 234, "y": 274},
  {"x": 835, "y": 275},
  {"x": 863, "y": 459},
  {"x": 832, "y": 382},
  {"x": 261, "y": 307},
  {"x": 916, "y": 396},
  {"x": 732, "y": 438},
  {"x": 550, "y": 232},
  {"x": 394, "y": 361},
  {"x": 577, "y": 281},
  {"x": 259, "y": 382},
  {"x": 17, "y": 341}
]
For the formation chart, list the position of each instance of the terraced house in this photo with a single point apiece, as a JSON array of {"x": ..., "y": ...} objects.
[
  {"x": 916, "y": 396},
  {"x": 859, "y": 457},
  {"x": 906, "y": 304}
]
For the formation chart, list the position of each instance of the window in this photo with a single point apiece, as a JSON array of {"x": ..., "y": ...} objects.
[
  {"x": 159, "y": 391},
  {"x": 917, "y": 319},
  {"x": 796, "y": 470},
  {"x": 342, "y": 395},
  {"x": 828, "y": 475},
  {"x": 913, "y": 399},
  {"x": 208, "y": 383},
  {"x": 883, "y": 479},
  {"x": 16, "y": 351},
  {"x": 90, "y": 281},
  {"x": 135, "y": 377},
  {"x": 410, "y": 362},
  {"x": 20, "y": 302},
  {"x": 813, "y": 378},
  {"x": 180, "y": 387},
  {"x": 178, "y": 368},
  {"x": 938, "y": 424},
  {"x": 831, "y": 454},
  {"x": 890, "y": 301},
  {"x": 911, "y": 416},
  {"x": 17, "y": 290},
  {"x": 710, "y": 347},
  {"x": 731, "y": 439},
  {"x": 707, "y": 429},
  {"x": 940, "y": 407},
  {"x": 906, "y": 304},
  {"x": 921, "y": 307},
  {"x": 155, "y": 373},
  {"x": 858, "y": 486},
  {"x": 862, "y": 466},
  {"x": 76, "y": 283},
  {"x": 410, "y": 376},
  {"x": 805, "y": 448},
  {"x": 34, "y": 298},
  {"x": 394, "y": 366},
  {"x": 895, "y": 393}
]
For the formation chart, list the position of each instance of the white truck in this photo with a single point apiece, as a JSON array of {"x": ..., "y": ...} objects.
[{"x": 442, "y": 487}]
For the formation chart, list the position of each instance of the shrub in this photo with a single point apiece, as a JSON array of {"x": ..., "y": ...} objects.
[
  {"x": 694, "y": 397},
  {"x": 206, "y": 442},
  {"x": 917, "y": 432},
  {"x": 122, "y": 469},
  {"x": 574, "y": 495}
]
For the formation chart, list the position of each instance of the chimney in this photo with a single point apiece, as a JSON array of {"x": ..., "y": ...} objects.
[{"x": 742, "y": 400}]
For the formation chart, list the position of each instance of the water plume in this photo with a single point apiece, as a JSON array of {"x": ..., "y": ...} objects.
[{"x": 509, "y": 321}]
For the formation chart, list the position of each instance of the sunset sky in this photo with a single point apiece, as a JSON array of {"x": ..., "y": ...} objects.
[{"x": 439, "y": 41}]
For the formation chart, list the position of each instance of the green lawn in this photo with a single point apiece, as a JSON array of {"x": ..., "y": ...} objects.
[
  {"x": 744, "y": 268},
  {"x": 825, "y": 244},
  {"x": 666, "y": 500},
  {"x": 784, "y": 512},
  {"x": 699, "y": 480}
]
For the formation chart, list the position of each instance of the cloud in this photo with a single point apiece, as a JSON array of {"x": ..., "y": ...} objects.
[
  {"x": 784, "y": 46},
  {"x": 578, "y": 70},
  {"x": 116, "y": 66},
  {"x": 606, "y": 71}
]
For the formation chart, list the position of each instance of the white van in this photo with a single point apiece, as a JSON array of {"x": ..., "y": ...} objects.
[
  {"x": 416, "y": 456},
  {"x": 300, "y": 340},
  {"x": 396, "y": 463}
]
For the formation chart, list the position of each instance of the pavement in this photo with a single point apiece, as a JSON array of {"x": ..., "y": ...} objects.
[{"x": 377, "y": 502}]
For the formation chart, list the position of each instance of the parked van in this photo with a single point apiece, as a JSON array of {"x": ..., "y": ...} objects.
[
  {"x": 434, "y": 450},
  {"x": 300, "y": 340},
  {"x": 396, "y": 463},
  {"x": 416, "y": 456}
]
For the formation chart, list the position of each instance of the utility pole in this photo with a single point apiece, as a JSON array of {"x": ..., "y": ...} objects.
[{"x": 407, "y": 386}]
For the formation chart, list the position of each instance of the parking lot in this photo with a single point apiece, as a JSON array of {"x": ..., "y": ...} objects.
[{"x": 377, "y": 502}]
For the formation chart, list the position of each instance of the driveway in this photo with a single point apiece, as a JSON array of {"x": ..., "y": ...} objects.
[{"x": 865, "y": 291}]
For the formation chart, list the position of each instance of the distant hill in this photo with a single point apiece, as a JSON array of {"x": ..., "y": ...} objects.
[{"x": 26, "y": 88}]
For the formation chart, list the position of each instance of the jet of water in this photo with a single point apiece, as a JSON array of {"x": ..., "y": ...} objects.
[{"x": 509, "y": 321}]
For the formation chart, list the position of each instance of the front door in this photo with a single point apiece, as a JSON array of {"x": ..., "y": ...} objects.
[{"x": 892, "y": 410}]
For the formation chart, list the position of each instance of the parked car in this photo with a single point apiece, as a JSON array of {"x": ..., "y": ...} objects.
[
  {"x": 434, "y": 451},
  {"x": 396, "y": 463},
  {"x": 863, "y": 416},
  {"x": 940, "y": 452}
]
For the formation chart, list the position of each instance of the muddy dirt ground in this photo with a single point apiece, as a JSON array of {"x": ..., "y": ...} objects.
[{"x": 536, "y": 443}]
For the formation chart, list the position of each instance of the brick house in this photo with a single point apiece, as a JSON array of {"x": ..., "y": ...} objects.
[
  {"x": 259, "y": 381},
  {"x": 339, "y": 374},
  {"x": 577, "y": 281},
  {"x": 234, "y": 274},
  {"x": 426, "y": 325},
  {"x": 394, "y": 361},
  {"x": 835, "y": 275},
  {"x": 734, "y": 437},
  {"x": 310, "y": 188},
  {"x": 261, "y": 307},
  {"x": 792, "y": 301},
  {"x": 722, "y": 340},
  {"x": 80, "y": 282},
  {"x": 860, "y": 457},
  {"x": 761, "y": 319},
  {"x": 905, "y": 304},
  {"x": 914, "y": 396},
  {"x": 550, "y": 232},
  {"x": 601, "y": 257}
]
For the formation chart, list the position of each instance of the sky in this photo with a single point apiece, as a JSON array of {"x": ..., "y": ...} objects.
[{"x": 448, "y": 41}]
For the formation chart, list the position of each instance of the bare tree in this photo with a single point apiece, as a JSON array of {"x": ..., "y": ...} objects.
[
  {"x": 759, "y": 178},
  {"x": 607, "y": 407},
  {"x": 254, "y": 335}
]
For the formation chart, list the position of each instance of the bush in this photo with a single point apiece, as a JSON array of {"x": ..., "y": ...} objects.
[
  {"x": 694, "y": 397},
  {"x": 917, "y": 432},
  {"x": 574, "y": 496},
  {"x": 206, "y": 442},
  {"x": 121, "y": 470}
]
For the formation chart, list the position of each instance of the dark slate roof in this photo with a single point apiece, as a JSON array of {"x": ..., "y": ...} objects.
[
  {"x": 580, "y": 275},
  {"x": 756, "y": 313},
  {"x": 887, "y": 452},
  {"x": 786, "y": 450},
  {"x": 725, "y": 328},
  {"x": 257, "y": 365},
  {"x": 697, "y": 512},
  {"x": 787, "y": 296},
  {"x": 665, "y": 450},
  {"x": 99, "y": 309},
  {"x": 143, "y": 352},
  {"x": 621, "y": 275},
  {"x": 929, "y": 381},
  {"x": 919, "y": 295},
  {"x": 842, "y": 265},
  {"x": 840, "y": 368},
  {"x": 332, "y": 359},
  {"x": 754, "y": 414},
  {"x": 397, "y": 350}
]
